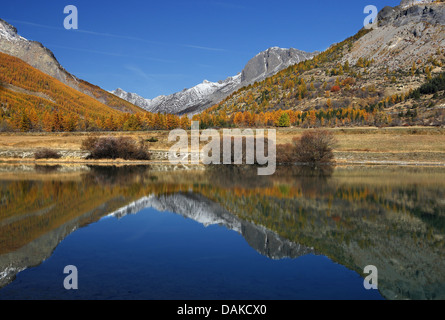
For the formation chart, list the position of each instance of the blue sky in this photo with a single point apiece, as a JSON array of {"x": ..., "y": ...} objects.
[{"x": 161, "y": 47}]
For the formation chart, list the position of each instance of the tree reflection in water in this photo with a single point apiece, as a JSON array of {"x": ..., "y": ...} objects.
[{"x": 393, "y": 218}]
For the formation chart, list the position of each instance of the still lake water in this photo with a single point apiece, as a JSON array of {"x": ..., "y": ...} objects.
[{"x": 222, "y": 233}]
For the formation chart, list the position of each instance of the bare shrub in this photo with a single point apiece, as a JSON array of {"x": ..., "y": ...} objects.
[
  {"x": 46, "y": 154},
  {"x": 115, "y": 148},
  {"x": 313, "y": 147},
  {"x": 286, "y": 153}
]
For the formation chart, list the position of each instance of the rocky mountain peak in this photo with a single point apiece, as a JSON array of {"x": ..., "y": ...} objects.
[
  {"x": 32, "y": 52},
  {"x": 207, "y": 93},
  {"x": 407, "y": 3},
  {"x": 413, "y": 12},
  {"x": 270, "y": 61},
  {"x": 412, "y": 30},
  {"x": 8, "y": 31}
]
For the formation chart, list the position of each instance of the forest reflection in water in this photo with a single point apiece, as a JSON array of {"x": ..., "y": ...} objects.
[{"x": 390, "y": 217}]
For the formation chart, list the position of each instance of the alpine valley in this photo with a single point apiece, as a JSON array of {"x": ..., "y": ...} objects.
[
  {"x": 391, "y": 75},
  {"x": 100, "y": 180}
]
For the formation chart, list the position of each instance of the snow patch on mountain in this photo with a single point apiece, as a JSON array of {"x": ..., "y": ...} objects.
[
  {"x": 190, "y": 100},
  {"x": 9, "y": 33},
  {"x": 206, "y": 94}
]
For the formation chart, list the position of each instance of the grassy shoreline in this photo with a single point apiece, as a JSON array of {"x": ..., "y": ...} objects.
[{"x": 394, "y": 145}]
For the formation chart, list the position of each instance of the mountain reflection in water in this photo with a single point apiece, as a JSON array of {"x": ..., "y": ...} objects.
[{"x": 393, "y": 218}]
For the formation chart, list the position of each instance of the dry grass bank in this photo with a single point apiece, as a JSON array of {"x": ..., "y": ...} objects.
[{"x": 414, "y": 144}]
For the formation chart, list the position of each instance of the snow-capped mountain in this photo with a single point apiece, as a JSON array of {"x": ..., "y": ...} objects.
[
  {"x": 9, "y": 32},
  {"x": 207, "y": 94},
  {"x": 191, "y": 100}
]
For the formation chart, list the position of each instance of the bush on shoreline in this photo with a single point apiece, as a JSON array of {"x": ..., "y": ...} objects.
[
  {"x": 115, "y": 148},
  {"x": 313, "y": 147}
]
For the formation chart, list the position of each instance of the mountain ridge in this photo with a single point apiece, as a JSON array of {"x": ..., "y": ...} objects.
[
  {"x": 206, "y": 94},
  {"x": 368, "y": 79},
  {"x": 38, "y": 56}
]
